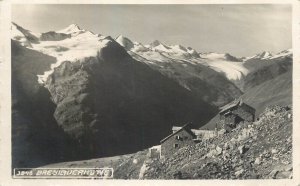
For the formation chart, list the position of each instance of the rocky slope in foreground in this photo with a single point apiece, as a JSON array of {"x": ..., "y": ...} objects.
[
  {"x": 262, "y": 149},
  {"x": 259, "y": 150}
]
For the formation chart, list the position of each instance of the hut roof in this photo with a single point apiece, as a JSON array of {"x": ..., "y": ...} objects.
[
  {"x": 230, "y": 105},
  {"x": 233, "y": 104},
  {"x": 186, "y": 127}
]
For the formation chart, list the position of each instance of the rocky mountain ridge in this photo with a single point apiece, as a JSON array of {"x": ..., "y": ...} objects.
[{"x": 179, "y": 63}]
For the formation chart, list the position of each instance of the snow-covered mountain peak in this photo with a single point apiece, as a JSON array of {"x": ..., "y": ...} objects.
[
  {"x": 69, "y": 44},
  {"x": 180, "y": 47},
  {"x": 212, "y": 55},
  {"x": 23, "y": 36},
  {"x": 284, "y": 53},
  {"x": 70, "y": 29},
  {"x": 158, "y": 46},
  {"x": 265, "y": 55},
  {"x": 262, "y": 55},
  {"x": 125, "y": 42}
]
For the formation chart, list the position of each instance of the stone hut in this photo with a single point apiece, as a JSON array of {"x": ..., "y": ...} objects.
[
  {"x": 178, "y": 139},
  {"x": 236, "y": 113}
]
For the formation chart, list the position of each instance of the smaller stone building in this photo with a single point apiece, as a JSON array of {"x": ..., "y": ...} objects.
[
  {"x": 178, "y": 139},
  {"x": 155, "y": 152},
  {"x": 236, "y": 113}
]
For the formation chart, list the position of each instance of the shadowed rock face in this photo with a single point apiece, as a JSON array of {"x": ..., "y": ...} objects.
[
  {"x": 104, "y": 105},
  {"x": 53, "y": 36},
  {"x": 232, "y": 58}
]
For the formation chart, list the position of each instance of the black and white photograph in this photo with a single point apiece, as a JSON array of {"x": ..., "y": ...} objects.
[{"x": 152, "y": 91}]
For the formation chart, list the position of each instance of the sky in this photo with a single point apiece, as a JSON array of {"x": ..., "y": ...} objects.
[{"x": 241, "y": 30}]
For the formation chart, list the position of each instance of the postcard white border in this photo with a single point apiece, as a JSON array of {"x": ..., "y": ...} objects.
[{"x": 5, "y": 99}]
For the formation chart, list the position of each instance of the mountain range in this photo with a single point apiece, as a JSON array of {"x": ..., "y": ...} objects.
[{"x": 87, "y": 95}]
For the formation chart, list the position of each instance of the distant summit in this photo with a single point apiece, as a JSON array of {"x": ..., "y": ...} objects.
[
  {"x": 125, "y": 42},
  {"x": 264, "y": 55},
  {"x": 70, "y": 29},
  {"x": 155, "y": 43}
]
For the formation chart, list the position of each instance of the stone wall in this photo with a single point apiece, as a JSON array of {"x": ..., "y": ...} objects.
[{"x": 245, "y": 112}]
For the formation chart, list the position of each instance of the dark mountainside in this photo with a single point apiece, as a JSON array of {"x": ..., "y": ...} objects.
[
  {"x": 264, "y": 70},
  {"x": 119, "y": 101},
  {"x": 277, "y": 91}
]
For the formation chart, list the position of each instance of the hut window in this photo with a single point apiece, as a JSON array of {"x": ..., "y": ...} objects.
[
  {"x": 176, "y": 145},
  {"x": 178, "y": 138}
]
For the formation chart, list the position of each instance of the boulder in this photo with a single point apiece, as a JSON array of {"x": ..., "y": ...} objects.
[
  {"x": 239, "y": 172},
  {"x": 257, "y": 161},
  {"x": 283, "y": 175},
  {"x": 273, "y": 174},
  {"x": 274, "y": 151},
  {"x": 242, "y": 149},
  {"x": 219, "y": 150}
]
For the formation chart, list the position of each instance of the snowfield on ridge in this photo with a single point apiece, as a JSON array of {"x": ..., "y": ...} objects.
[{"x": 78, "y": 44}]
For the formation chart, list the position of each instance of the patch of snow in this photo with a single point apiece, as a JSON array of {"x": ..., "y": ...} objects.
[
  {"x": 232, "y": 70},
  {"x": 212, "y": 56},
  {"x": 81, "y": 45},
  {"x": 161, "y": 48},
  {"x": 77, "y": 48}
]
